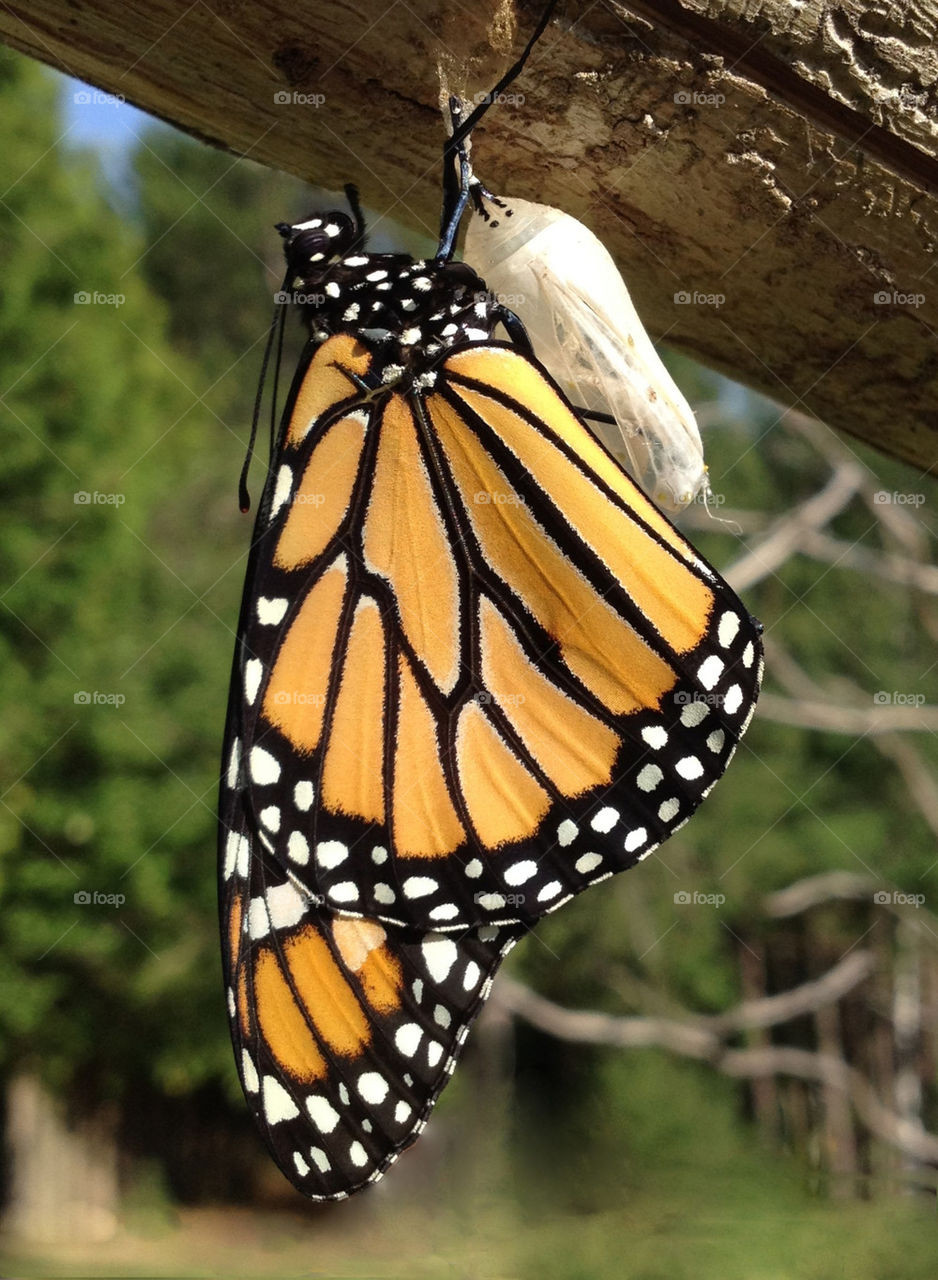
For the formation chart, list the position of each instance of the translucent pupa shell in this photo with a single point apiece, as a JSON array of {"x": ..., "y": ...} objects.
[{"x": 564, "y": 286}]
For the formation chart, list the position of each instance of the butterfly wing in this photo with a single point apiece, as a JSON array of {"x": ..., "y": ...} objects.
[
  {"x": 479, "y": 670},
  {"x": 345, "y": 1030}
]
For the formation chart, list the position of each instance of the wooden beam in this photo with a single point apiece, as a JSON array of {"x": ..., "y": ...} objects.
[{"x": 765, "y": 173}]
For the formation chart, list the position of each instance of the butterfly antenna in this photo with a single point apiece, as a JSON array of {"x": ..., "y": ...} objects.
[{"x": 276, "y": 326}]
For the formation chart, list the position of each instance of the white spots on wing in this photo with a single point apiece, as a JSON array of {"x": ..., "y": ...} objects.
[
  {"x": 419, "y": 886},
  {"x": 726, "y": 631},
  {"x": 407, "y": 1038},
  {"x": 244, "y": 857},
  {"x": 470, "y": 979},
  {"x": 281, "y": 489},
  {"x": 359, "y": 260},
  {"x": 358, "y": 1155},
  {"x": 249, "y": 1072},
  {"x": 270, "y": 817},
  {"x": 373, "y": 1087},
  {"x": 379, "y": 855},
  {"x": 549, "y": 891},
  {"x": 231, "y": 853},
  {"x": 434, "y": 1052},
  {"x": 322, "y": 1113},
  {"x": 520, "y": 872},
  {"x": 302, "y": 1167},
  {"x": 298, "y": 848},
  {"x": 271, "y": 610},
  {"x": 733, "y": 700},
  {"x": 234, "y": 764},
  {"x": 320, "y": 1159},
  {"x": 258, "y": 921},
  {"x": 445, "y": 911},
  {"x": 417, "y": 989},
  {"x": 351, "y": 312},
  {"x": 439, "y": 955},
  {"x": 693, "y": 713},
  {"x": 655, "y": 736},
  {"x": 347, "y": 891},
  {"x": 376, "y": 275},
  {"x": 605, "y": 820},
  {"x": 716, "y": 740},
  {"x": 332, "y": 289},
  {"x": 265, "y": 768},
  {"x": 689, "y": 767},
  {"x": 286, "y": 906},
  {"x": 422, "y": 284},
  {"x": 409, "y": 337},
  {"x": 587, "y": 862},
  {"x": 710, "y": 671},
  {"x": 384, "y": 894},
  {"x": 303, "y": 795},
  {"x": 566, "y": 832},
  {"x": 474, "y": 869},
  {"x": 490, "y": 901},
  {"x": 635, "y": 839},
  {"x": 253, "y": 670},
  {"x": 278, "y": 1105},
  {"x": 442, "y": 1016},
  {"x": 330, "y": 853},
  {"x": 402, "y": 1112},
  {"x": 668, "y": 810},
  {"x": 648, "y": 777},
  {"x": 749, "y": 654}
]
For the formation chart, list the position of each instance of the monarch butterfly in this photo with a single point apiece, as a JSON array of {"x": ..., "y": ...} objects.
[
  {"x": 476, "y": 671},
  {"x": 584, "y": 327}
]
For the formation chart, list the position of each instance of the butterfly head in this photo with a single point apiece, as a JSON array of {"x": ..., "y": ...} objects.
[{"x": 309, "y": 246}]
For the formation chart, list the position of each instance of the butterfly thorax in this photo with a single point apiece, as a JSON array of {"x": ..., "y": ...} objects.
[{"x": 410, "y": 312}]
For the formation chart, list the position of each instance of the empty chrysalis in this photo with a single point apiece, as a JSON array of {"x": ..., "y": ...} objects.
[{"x": 565, "y": 288}]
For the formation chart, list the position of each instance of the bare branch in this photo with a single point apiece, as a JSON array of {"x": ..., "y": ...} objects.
[
  {"x": 814, "y": 891},
  {"x": 835, "y": 1074},
  {"x": 784, "y": 537},
  {"x": 832, "y": 717},
  {"x": 702, "y": 1038}
]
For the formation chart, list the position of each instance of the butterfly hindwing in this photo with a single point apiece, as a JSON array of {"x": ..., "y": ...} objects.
[{"x": 345, "y": 1029}]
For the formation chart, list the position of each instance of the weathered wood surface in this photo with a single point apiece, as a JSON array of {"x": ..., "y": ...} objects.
[{"x": 775, "y": 160}]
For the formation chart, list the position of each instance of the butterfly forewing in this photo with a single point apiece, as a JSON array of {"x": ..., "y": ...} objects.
[{"x": 480, "y": 670}]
